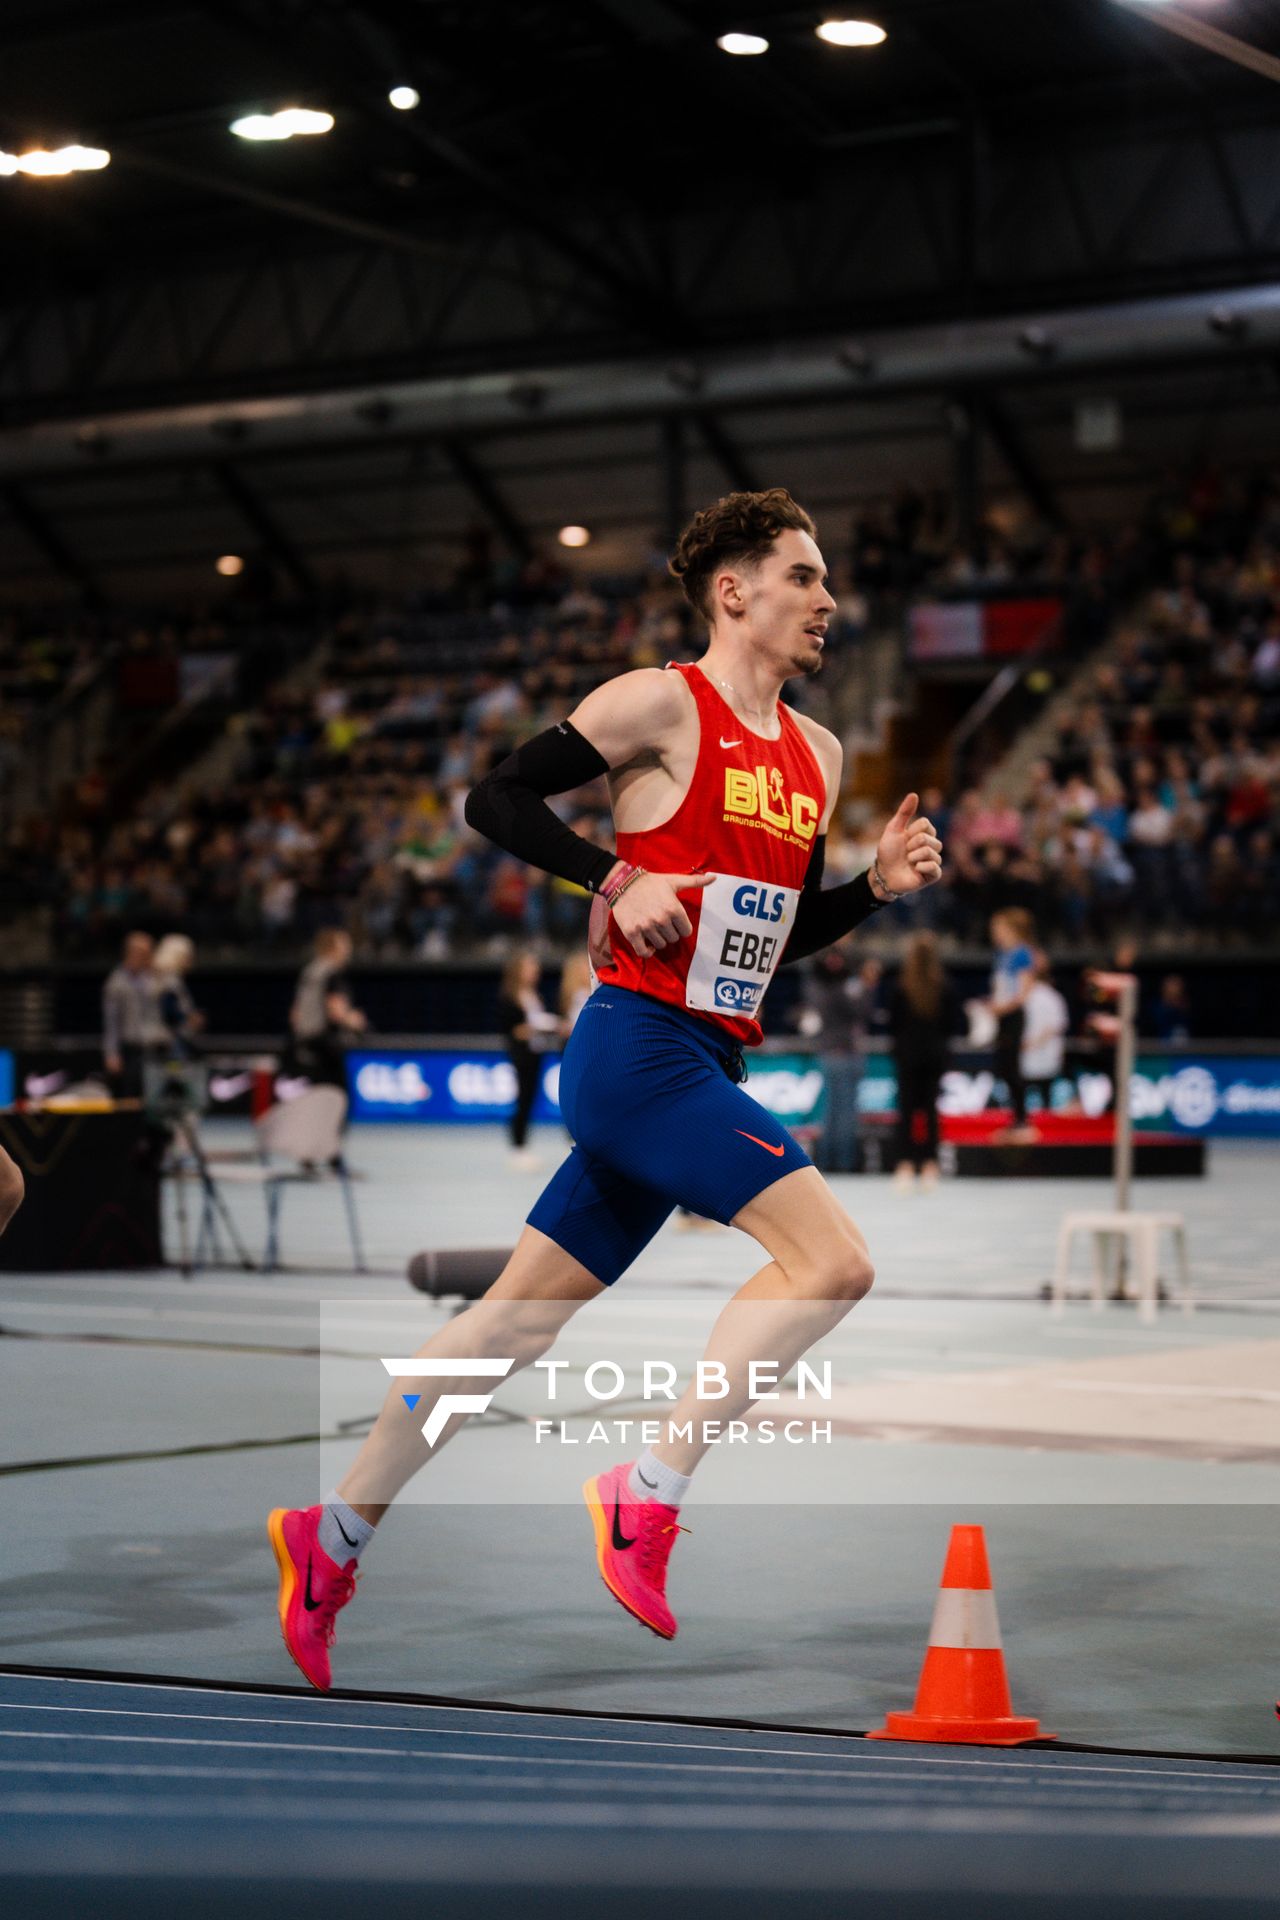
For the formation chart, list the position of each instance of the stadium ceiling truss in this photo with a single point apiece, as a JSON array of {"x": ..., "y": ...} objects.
[
  {"x": 905, "y": 235},
  {"x": 488, "y": 246}
]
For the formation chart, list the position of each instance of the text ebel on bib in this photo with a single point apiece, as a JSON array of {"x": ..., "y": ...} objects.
[{"x": 742, "y": 930}]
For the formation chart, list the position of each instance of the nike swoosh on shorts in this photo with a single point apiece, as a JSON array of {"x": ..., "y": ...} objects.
[{"x": 761, "y": 1143}]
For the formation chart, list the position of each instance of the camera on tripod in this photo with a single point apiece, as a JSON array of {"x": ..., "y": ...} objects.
[{"x": 174, "y": 1091}]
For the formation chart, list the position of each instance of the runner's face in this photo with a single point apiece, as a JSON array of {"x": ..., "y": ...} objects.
[{"x": 787, "y": 603}]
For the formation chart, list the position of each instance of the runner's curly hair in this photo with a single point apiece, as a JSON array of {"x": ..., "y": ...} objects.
[{"x": 737, "y": 531}]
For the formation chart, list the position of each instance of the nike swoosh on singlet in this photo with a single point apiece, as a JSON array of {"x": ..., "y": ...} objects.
[
  {"x": 620, "y": 1539},
  {"x": 761, "y": 1143},
  {"x": 729, "y": 743}
]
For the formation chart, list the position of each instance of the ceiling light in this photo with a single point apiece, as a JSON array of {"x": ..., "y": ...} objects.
[
  {"x": 229, "y": 565},
  {"x": 42, "y": 166},
  {"x": 282, "y": 125},
  {"x": 405, "y": 98},
  {"x": 574, "y": 536},
  {"x": 851, "y": 33},
  {"x": 742, "y": 43}
]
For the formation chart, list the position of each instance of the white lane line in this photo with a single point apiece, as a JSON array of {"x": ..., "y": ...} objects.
[
  {"x": 1058, "y": 1763},
  {"x": 869, "y": 1791},
  {"x": 533, "y": 1781},
  {"x": 454, "y": 1733},
  {"x": 430, "y": 1756},
  {"x": 1189, "y": 1785}
]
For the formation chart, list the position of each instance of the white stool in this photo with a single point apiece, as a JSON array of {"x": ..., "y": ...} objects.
[{"x": 1141, "y": 1233}]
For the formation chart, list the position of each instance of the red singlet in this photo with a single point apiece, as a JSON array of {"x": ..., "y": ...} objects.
[{"x": 750, "y": 817}]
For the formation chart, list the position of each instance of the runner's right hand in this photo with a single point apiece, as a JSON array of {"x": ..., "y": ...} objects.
[{"x": 650, "y": 914}]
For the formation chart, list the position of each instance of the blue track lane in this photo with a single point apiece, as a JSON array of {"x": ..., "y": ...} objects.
[{"x": 150, "y": 1800}]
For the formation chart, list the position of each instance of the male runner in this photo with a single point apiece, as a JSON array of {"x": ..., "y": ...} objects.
[{"x": 721, "y": 799}]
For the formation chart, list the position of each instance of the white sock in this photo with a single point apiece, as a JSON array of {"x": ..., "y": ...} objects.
[
  {"x": 650, "y": 1480},
  {"x": 342, "y": 1534}
]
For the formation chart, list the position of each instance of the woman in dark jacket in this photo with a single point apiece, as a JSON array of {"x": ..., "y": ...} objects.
[{"x": 923, "y": 1015}]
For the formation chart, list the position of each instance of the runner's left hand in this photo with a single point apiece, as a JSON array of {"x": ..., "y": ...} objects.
[{"x": 910, "y": 853}]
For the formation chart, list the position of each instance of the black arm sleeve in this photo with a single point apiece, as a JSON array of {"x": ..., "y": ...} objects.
[
  {"x": 823, "y": 918},
  {"x": 509, "y": 805}
]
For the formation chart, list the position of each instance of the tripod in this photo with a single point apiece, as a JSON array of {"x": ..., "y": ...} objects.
[{"x": 208, "y": 1247}]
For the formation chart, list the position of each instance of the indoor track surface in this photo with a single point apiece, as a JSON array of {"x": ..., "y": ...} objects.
[
  {"x": 1126, "y": 1476},
  {"x": 159, "y": 1800}
]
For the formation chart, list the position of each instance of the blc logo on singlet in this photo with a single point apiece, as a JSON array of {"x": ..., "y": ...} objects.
[{"x": 761, "y": 798}]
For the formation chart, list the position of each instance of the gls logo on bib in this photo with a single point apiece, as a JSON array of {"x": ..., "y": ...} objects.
[{"x": 742, "y": 929}]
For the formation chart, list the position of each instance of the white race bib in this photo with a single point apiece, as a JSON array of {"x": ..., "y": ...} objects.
[{"x": 742, "y": 930}]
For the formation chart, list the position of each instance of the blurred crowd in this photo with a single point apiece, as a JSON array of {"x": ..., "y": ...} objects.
[
  {"x": 340, "y": 798},
  {"x": 345, "y": 798},
  {"x": 41, "y": 662},
  {"x": 1157, "y": 806}
]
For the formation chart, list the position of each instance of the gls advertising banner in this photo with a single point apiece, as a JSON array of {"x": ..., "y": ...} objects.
[
  {"x": 420, "y": 1086},
  {"x": 442, "y": 1086},
  {"x": 1197, "y": 1094}
]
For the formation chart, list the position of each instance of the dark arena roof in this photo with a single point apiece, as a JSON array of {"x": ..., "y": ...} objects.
[{"x": 602, "y": 264}]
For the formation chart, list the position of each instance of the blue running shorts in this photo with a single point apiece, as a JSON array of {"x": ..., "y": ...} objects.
[{"x": 649, "y": 1094}]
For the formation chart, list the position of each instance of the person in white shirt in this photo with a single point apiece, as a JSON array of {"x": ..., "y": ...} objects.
[{"x": 1045, "y": 1023}]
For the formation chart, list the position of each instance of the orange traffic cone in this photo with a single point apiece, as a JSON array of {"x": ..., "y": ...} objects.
[{"x": 963, "y": 1692}]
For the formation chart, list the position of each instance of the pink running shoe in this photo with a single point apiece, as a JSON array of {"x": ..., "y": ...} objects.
[
  {"x": 312, "y": 1589},
  {"x": 634, "y": 1539}
]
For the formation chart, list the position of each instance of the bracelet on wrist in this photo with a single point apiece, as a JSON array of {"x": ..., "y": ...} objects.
[
  {"x": 876, "y": 879},
  {"x": 614, "y": 880},
  {"x": 628, "y": 880}
]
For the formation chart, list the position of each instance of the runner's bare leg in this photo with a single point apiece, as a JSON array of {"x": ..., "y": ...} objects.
[
  {"x": 538, "y": 1292},
  {"x": 819, "y": 1270}
]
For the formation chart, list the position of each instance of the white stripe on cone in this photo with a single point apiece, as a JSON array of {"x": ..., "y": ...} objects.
[{"x": 965, "y": 1617}]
